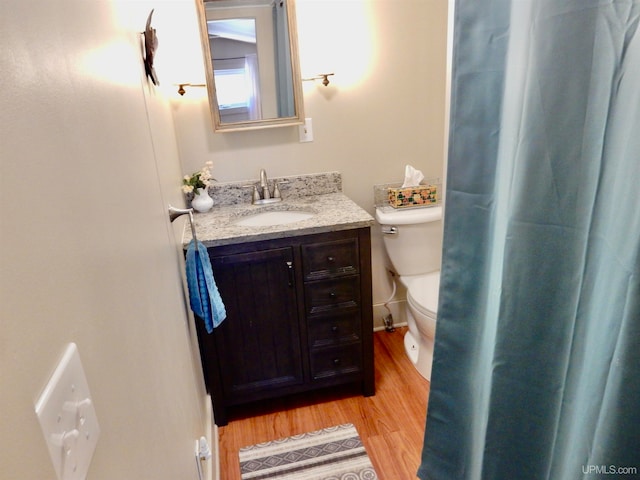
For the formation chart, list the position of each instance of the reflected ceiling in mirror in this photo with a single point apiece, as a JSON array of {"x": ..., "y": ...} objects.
[{"x": 251, "y": 61}]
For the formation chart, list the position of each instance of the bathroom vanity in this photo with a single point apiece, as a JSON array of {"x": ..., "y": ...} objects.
[{"x": 298, "y": 301}]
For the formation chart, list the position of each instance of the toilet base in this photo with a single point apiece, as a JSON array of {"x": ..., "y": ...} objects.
[{"x": 420, "y": 355}]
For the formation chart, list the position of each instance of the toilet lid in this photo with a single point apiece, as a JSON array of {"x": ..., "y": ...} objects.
[{"x": 423, "y": 293}]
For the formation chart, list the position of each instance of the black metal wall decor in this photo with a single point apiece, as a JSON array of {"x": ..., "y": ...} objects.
[{"x": 150, "y": 47}]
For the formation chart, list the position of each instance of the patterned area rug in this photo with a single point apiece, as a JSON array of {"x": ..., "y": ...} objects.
[{"x": 334, "y": 453}]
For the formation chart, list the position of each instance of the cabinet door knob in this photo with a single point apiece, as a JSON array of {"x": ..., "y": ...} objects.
[
  {"x": 336, "y": 361},
  {"x": 331, "y": 259},
  {"x": 334, "y": 328},
  {"x": 332, "y": 295}
]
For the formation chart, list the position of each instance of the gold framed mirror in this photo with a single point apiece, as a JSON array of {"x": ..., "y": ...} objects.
[{"x": 250, "y": 50}]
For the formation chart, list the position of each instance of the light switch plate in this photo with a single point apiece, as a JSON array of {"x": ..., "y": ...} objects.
[
  {"x": 68, "y": 418},
  {"x": 306, "y": 131}
]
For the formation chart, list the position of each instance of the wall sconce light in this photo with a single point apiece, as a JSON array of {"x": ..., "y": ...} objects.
[
  {"x": 320, "y": 76},
  {"x": 181, "y": 86}
]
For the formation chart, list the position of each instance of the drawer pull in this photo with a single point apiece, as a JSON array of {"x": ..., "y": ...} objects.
[
  {"x": 334, "y": 329},
  {"x": 331, "y": 259},
  {"x": 332, "y": 295},
  {"x": 336, "y": 361}
]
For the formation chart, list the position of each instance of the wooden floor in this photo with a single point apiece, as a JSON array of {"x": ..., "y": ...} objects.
[{"x": 390, "y": 423}]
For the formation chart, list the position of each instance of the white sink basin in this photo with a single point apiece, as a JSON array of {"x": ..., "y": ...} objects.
[{"x": 279, "y": 217}]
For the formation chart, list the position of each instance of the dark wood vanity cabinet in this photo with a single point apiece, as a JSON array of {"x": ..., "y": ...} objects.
[{"x": 299, "y": 318}]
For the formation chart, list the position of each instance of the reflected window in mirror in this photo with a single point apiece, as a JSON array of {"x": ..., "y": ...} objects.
[{"x": 237, "y": 86}]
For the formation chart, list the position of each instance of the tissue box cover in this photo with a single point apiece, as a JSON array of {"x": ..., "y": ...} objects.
[{"x": 422, "y": 195}]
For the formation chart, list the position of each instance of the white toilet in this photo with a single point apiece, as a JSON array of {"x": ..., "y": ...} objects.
[{"x": 413, "y": 241}]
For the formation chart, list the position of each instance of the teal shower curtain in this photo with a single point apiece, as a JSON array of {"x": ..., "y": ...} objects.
[{"x": 537, "y": 355}]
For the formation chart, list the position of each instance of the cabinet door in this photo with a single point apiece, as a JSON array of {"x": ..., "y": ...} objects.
[{"x": 258, "y": 344}]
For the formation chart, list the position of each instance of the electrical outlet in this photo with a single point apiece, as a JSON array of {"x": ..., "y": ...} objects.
[{"x": 68, "y": 419}]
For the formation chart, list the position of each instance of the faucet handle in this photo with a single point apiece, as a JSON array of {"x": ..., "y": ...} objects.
[
  {"x": 276, "y": 189},
  {"x": 255, "y": 195}
]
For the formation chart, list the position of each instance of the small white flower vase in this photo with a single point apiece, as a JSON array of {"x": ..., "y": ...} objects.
[{"x": 202, "y": 202}]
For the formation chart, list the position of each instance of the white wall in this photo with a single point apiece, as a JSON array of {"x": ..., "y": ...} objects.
[
  {"x": 384, "y": 108},
  {"x": 88, "y": 166}
]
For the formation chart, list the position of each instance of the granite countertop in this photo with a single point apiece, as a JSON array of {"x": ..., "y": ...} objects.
[{"x": 332, "y": 211}]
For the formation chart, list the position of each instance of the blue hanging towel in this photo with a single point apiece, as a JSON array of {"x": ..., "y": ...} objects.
[{"x": 204, "y": 297}]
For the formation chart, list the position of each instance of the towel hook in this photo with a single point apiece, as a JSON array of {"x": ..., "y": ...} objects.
[{"x": 178, "y": 212}]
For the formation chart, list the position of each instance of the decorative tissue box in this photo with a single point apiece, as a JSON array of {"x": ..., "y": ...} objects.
[{"x": 422, "y": 195}]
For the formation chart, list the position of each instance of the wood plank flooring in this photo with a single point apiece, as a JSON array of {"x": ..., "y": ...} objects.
[{"x": 390, "y": 423}]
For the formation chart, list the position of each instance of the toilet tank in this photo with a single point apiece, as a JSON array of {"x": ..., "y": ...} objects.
[{"x": 412, "y": 238}]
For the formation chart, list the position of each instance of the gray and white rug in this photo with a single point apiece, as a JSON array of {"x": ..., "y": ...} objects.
[{"x": 334, "y": 453}]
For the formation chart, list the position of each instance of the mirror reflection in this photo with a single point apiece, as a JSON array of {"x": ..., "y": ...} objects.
[{"x": 252, "y": 65}]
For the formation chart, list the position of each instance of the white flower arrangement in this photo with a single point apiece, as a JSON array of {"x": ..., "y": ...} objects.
[{"x": 200, "y": 179}]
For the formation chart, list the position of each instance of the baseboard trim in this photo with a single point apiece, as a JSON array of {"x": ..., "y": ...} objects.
[{"x": 395, "y": 324}]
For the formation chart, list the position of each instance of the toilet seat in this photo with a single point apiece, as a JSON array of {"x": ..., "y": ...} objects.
[{"x": 423, "y": 292}]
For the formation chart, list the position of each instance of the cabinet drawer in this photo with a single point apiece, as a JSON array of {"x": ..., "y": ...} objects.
[
  {"x": 335, "y": 361},
  {"x": 330, "y": 258},
  {"x": 334, "y": 329},
  {"x": 327, "y": 295}
]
